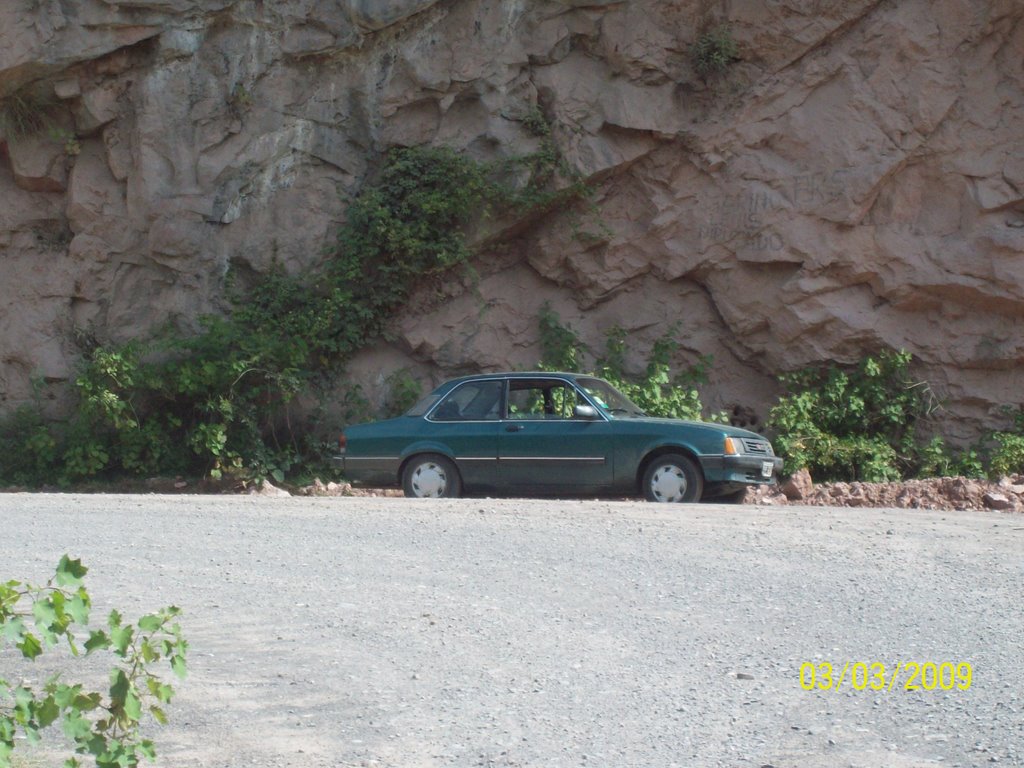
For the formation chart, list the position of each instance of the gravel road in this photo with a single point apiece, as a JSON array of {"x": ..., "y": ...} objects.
[{"x": 387, "y": 632}]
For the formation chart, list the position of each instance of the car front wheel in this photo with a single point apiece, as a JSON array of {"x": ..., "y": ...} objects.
[
  {"x": 672, "y": 478},
  {"x": 431, "y": 476}
]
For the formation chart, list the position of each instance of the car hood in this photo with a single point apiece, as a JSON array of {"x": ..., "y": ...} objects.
[{"x": 723, "y": 429}]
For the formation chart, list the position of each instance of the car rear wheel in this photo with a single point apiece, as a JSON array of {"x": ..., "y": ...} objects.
[
  {"x": 672, "y": 478},
  {"x": 431, "y": 476}
]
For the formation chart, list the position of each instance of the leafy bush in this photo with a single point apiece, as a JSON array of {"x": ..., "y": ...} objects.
[
  {"x": 936, "y": 459},
  {"x": 28, "y": 449},
  {"x": 852, "y": 424},
  {"x": 1008, "y": 454},
  {"x": 657, "y": 391},
  {"x": 714, "y": 51},
  {"x": 104, "y": 726},
  {"x": 1008, "y": 457}
]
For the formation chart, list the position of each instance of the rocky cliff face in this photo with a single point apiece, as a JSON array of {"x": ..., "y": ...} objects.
[{"x": 856, "y": 179}]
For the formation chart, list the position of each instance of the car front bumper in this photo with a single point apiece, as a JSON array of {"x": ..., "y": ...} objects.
[{"x": 742, "y": 469}]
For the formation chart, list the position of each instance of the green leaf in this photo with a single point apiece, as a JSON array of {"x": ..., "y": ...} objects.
[
  {"x": 99, "y": 747},
  {"x": 161, "y": 691},
  {"x": 30, "y": 646},
  {"x": 98, "y": 639},
  {"x": 148, "y": 653},
  {"x": 47, "y": 712},
  {"x": 121, "y": 638},
  {"x": 44, "y": 612},
  {"x": 147, "y": 749},
  {"x": 132, "y": 705},
  {"x": 65, "y": 694},
  {"x": 14, "y": 629},
  {"x": 78, "y": 608},
  {"x": 119, "y": 686},
  {"x": 178, "y": 665},
  {"x": 150, "y": 623},
  {"x": 76, "y": 727},
  {"x": 70, "y": 572},
  {"x": 87, "y": 702}
]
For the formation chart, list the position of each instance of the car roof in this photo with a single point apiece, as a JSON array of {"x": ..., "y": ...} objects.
[{"x": 518, "y": 375}]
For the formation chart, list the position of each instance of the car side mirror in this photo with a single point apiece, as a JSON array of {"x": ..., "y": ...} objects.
[{"x": 585, "y": 412}]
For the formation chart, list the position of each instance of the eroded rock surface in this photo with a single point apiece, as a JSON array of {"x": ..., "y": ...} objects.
[{"x": 855, "y": 180}]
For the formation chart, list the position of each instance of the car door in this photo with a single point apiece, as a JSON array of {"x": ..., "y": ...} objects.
[
  {"x": 466, "y": 421},
  {"x": 543, "y": 445}
]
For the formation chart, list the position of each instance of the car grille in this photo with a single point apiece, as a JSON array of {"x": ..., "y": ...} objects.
[{"x": 757, "y": 447}]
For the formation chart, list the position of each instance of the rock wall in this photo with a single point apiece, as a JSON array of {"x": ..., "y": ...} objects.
[{"x": 855, "y": 180}]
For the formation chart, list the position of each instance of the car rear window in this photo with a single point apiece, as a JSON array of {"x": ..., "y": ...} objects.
[{"x": 423, "y": 405}]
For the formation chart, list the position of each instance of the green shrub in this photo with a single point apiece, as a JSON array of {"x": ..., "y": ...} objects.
[
  {"x": 936, "y": 459},
  {"x": 1007, "y": 457},
  {"x": 103, "y": 726},
  {"x": 714, "y": 51},
  {"x": 657, "y": 392},
  {"x": 28, "y": 449},
  {"x": 852, "y": 424}
]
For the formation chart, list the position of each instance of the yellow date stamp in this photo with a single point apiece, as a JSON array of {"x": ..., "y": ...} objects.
[{"x": 877, "y": 676}]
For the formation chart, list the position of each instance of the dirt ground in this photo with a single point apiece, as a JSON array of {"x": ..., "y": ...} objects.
[
  {"x": 348, "y": 632},
  {"x": 944, "y": 493}
]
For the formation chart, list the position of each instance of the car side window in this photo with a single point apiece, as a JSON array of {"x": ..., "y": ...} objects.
[
  {"x": 548, "y": 400},
  {"x": 472, "y": 401}
]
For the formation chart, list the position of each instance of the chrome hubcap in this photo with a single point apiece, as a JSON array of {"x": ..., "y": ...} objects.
[
  {"x": 429, "y": 480},
  {"x": 668, "y": 483}
]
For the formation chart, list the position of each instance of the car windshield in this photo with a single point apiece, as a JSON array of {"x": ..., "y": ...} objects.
[{"x": 610, "y": 400}]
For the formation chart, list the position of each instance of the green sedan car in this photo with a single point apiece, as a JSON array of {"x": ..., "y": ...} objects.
[{"x": 551, "y": 434}]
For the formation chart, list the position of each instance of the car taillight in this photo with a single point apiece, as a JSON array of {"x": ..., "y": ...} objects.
[
  {"x": 731, "y": 447},
  {"x": 342, "y": 441}
]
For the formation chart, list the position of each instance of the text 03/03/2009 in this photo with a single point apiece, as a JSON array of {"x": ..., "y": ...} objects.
[{"x": 878, "y": 676}]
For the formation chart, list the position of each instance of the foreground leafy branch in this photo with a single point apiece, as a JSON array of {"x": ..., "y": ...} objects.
[{"x": 105, "y": 726}]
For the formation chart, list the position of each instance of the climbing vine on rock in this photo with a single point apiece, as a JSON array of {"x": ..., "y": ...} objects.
[{"x": 223, "y": 401}]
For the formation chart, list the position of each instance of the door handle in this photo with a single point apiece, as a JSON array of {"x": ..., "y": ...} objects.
[{"x": 513, "y": 427}]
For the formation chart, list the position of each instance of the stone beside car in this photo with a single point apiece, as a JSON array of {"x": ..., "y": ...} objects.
[{"x": 542, "y": 434}]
